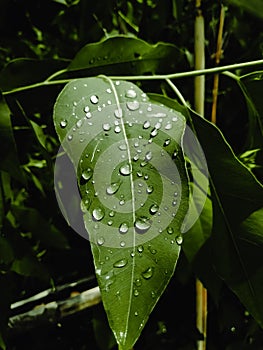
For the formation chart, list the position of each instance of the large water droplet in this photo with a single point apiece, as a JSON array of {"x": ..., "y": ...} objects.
[
  {"x": 154, "y": 209},
  {"x": 142, "y": 224},
  {"x": 98, "y": 214},
  {"x": 133, "y": 105},
  {"x": 123, "y": 228},
  {"x": 130, "y": 93},
  {"x": 113, "y": 188},
  {"x": 148, "y": 156},
  {"x": 106, "y": 126},
  {"x": 94, "y": 99},
  {"x": 146, "y": 125},
  {"x": 87, "y": 174},
  {"x": 118, "y": 113},
  {"x": 63, "y": 123},
  {"x": 125, "y": 170},
  {"x": 121, "y": 263},
  {"x": 147, "y": 274},
  {"x": 179, "y": 240},
  {"x": 100, "y": 241},
  {"x": 117, "y": 129}
]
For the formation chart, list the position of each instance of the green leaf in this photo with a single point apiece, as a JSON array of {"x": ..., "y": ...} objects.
[
  {"x": 255, "y": 7},
  {"x": 2, "y": 343},
  {"x": 8, "y": 152},
  {"x": 127, "y": 152},
  {"x": 122, "y": 55},
  {"x": 6, "y": 251}
]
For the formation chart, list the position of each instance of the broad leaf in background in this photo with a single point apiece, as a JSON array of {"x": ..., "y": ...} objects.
[
  {"x": 131, "y": 174},
  {"x": 255, "y": 7}
]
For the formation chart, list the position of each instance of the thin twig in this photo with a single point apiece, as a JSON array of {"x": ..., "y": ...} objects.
[{"x": 218, "y": 55}]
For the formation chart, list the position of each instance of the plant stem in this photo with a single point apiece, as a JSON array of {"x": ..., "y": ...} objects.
[
  {"x": 199, "y": 94},
  {"x": 217, "y": 61},
  {"x": 144, "y": 77}
]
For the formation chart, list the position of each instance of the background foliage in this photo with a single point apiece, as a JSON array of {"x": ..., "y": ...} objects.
[{"x": 37, "y": 247}]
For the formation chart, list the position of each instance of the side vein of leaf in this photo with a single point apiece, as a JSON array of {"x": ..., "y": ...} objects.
[{"x": 132, "y": 190}]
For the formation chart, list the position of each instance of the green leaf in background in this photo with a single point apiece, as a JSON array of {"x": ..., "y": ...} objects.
[
  {"x": 127, "y": 152},
  {"x": 8, "y": 152},
  {"x": 255, "y": 7},
  {"x": 126, "y": 55}
]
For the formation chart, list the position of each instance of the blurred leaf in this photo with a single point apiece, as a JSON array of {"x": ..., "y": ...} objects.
[
  {"x": 103, "y": 334},
  {"x": 255, "y": 7},
  {"x": 122, "y": 55},
  {"x": 29, "y": 266},
  {"x": 6, "y": 251},
  {"x": 135, "y": 260},
  {"x": 30, "y": 220},
  {"x": 2, "y": 343},
  {"x": 8, "y": 152}
]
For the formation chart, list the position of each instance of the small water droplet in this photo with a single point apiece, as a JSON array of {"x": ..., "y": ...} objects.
[
  {"x": 149, "y": 109},
  {"x": 136, "y": 157},
  {"x": 140, "y": 249},
  {"x": 87, "y": 174},
  {"x": 113, "y": 188},
  {"x": 143, "y": 163},
  {"x": 63, "y": 123},
  {"x": 179, "y": 240},
  {"x": 168, "y": 126},
  {"x": 138, "y": 282},
  {"x": 122, "y": 244},
  {"x": 147, "y": 274},
  {"x": 148, "y": 156},
  {"x": 122, "y": 202},
  {"x": 152, "y": 250},
  {"x": 142, "y": 224},
  {"x": 125, "y": 169},
  {"x": 108, "y": 91},
  {"x": 86, "y": 109},
  {"x": 88, "y": 115},
  {"x": 94, "y": 99},
  {"x": 118, "y": 113},
  {"x": 135, "y": 313},
  {"x": 123, "y": 147},
  {"x": 98, "y": 214},
  {"x": 112, "y": 214},
  {"x": 117, "y": 129},
  {"x": 174, "y": 203},
  {"x": 154, "y": 209},
  {"x": 70, "y": 137},
  {"x": 79, "y": 123},
  {"x": 110, "y": 222},
  {"x": 149, "y": 189},
  {"x": 132, "y": 254},
  {"x": 100, "y": 241},
  {"x": 130, "y": 93},
  {"x": 170, "y": 230},
  {"x": 123, "y": 228},
  {"x": 133, "y": 105},
  {"x": 135, "y": 292},
  {"x": 154, "y": 132},
  {"x": 117, "y": 83},
  {"x": 153, "y": 294},
  {"x": 167, "y": 142},
  {"x": 120, "y": 263},
  {"x": 106, "y": 126},
  {"x": 146, "y": 124}
]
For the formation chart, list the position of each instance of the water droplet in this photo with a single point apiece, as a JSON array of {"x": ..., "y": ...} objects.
[
  {"x": 132, "y": 254},
  {"x": 98, "y": 214},
  {"x": 130, "y": 93},
  {"x": 136, "y": 157},
  {"x": 112, "y": 214},
  {"x": 174, "y": 203},
  {"x": 158, "y": 125},
  {"x": 170, "y": 230},
  {"x": 88, "y": 115},
  {"x": 139, "y": 173},
  {"x": 108, "y": 91},
  {"x": 110, "y": 222},
  {"x": 113, "y": 188},
  {"x": 167, "y": 142},
  {"x": 153, "y": 209},
  {"x": 118, "y": 113},
  {"x": 87, "y": 174},
  {"x": 106, "y": 127},
  {"x": 140, "y": 249},
  {"x": 70, "y": 137},
  {"x": 122, "y": 244},
  {"x": 94, "y": 99},
  {"x": 146, "y": 177},
  {"x": 86, "y": 109},
  {"x": 117, "y": 83},
  {"x": 117, "y": 129},
  {"x": 123, "y": 147},
  {"x": 121, "y": 263},
  {"x": 125, "y": 170},
  {"x": 168, "y": 126},
  {"x": 143, "y": 163},
  {"x": 179, "y": 240},
  {"x": 149, "y": 189},
  {"x": 153, "y": 294},
  {"x": 133, "y": 105},
  {"x": 149, "y": 109},
  {"x": 142, "y": 224},
  {"x": 79, "y": 123},
  {"x": 146, "y": 125},
  {"x": 122, "y": 202},
  {"x": 148, "y": 156},
  {"x": 138, "y": 282},
  {"x": 63, "y": 123},
  {"x": 135, "y": 292},
  {"x": 135, "y": 313},
  {"x": 100, "y": 241},
  {"x": 152, "y": 250},
  {"x": 147, "y": 274},
  {"x": 154, "y": 132},
  {"x": 123, "y": 228}
]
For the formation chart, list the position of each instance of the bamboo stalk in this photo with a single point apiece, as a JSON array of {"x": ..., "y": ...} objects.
[
  {"x": 199, "y": 95},
  {"x": 218, "y": 55}
]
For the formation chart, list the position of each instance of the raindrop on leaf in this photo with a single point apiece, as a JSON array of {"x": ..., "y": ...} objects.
[
  {"x": 63, "y": 123},
  {"x": 125, "y": 170},
  {"x": 179, "y": 240},
  {"x": 142, "y": 224},
  {"x": 98, "y": 214},
  {"x": 106, "y": 126},
  {"x": 154, "y": 209},
  {"x": 133, "y": 105},
  {"x": 123, "y": 228},
  {"x": 113, "y": 188},
  {"x": 100, "y": 241},
  {"x": 87, "y": 174},
  {"x": 94, "y": 99},
  {"x": 130, "y": 93},
  {"x": 146, "y": 125},
  {"x": 120, "y": 263},
  {"x": 147, "y": 274}
]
